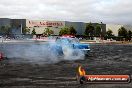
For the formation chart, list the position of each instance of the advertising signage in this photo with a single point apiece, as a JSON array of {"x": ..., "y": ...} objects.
[{"x": 44, "y": 24}]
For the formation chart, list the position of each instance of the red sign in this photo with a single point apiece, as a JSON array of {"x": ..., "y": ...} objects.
[
  {"x": 107, "y": 78},
  {"x": 43, "y": 24}
]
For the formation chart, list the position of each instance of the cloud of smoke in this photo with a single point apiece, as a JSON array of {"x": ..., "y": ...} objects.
[
  {"x": 72, "y": 54},
  {"x": 40, "y": 53}
]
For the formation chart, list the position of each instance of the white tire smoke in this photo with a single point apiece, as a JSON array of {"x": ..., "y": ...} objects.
[{"x": 40, "y": 53}]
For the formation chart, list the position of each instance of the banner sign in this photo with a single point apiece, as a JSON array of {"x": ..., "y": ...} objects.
[{"x": 44, "y": 24}]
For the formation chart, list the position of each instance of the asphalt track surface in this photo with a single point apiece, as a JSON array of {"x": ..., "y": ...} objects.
[{"x": 103, "y": 59}]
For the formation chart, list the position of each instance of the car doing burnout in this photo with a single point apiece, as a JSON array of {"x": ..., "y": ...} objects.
[{"x": 69, "y": 45}]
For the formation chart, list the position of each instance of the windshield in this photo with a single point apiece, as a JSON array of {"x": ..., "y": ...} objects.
[
  {"x": 67, "y": 40},
  {"x": 74, "y": 40}
]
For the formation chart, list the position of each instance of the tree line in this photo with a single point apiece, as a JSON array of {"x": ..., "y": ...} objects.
[
  {"x": 123, "y": 33},
  {"x": 47, "y": 31}
]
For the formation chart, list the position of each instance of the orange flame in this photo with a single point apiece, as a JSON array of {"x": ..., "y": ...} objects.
[{"x": 81, "y": 71}]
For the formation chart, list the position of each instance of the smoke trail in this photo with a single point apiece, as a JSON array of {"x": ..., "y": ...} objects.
[
  {"x": 72, "y": 54},
  {"x": 40, "y": 53}
]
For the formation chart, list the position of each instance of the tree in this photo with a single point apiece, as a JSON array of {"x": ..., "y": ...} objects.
[
  {"x": 64, "y": 31},
  {"x": 89, "y": 30},
  {"x": 72, "y": 30},
  {"x": 44, "y": 33},
  {"x": 48, "y": 31},
  {"x": 122, "y": 32},
  {"x": 97, "y": 30},
  {"x": 26, "y": 30},
  {"x": 129, "y": 34},
  {"x": 68, "y": 30},
  {"x": 33, "y": 32},
  {"x": 5, "y": 30},
  {"x": 109, "y": 33}
]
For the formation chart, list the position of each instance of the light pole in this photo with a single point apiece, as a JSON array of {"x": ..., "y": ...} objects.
[
  {"x": 21, "y": 26},
  {"x": 101, "y": 31}
]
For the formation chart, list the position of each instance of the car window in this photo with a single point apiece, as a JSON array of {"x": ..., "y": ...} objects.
[
  {"x": 63, "y": 41},
  {"x": 67, "y": 40},
  {"x": 74, "y": 40}
]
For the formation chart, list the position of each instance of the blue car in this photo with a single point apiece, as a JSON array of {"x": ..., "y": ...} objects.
[{"x": 69, "y": 45}]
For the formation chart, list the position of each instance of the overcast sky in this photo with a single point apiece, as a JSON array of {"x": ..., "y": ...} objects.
[{"x": 106, "y": 11}]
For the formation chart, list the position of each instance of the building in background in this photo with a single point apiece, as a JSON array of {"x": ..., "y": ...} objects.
[
  {"x": 79, "y": 26},
  {"x": 18, "y": 25},
  {"x": 41, "y": 25},
  {"x": 56, "y": 26},
  {"x": 116, "y": 27},
  {"x": 102, "y": 25},
  {"x": 5, "y": 22},
  {"x": 15, "y": 25}
]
